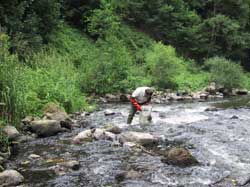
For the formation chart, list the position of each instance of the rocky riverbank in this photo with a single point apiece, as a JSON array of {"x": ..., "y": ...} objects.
[
  {"x": 210, "y": 92},
  {"x": 53, "y": 144}
]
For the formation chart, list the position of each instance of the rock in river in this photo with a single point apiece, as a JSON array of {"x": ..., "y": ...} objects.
[
  {"x": 10, "y": 178},
  {"x": 11, "y": 132},
  {"x": 180, "y": 157},
  {"x": 46, "y": 127},
  {"x": 137, "y": 137}
]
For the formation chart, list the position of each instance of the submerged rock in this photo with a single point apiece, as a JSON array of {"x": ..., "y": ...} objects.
[
  {"x": 179, "y": 157},
  {"x": 211, "y": 109},
  {"x": 234, "y": 117},
  {"x": 10, "y": 178},
  {"x": 109, "y": 112},
  {"x": 125, "y": 175}
]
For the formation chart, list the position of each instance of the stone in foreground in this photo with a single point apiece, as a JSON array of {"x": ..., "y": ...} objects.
[
  {"x": 10, "y": 178},
  {"x": 137, "y": 137},
  {"x": 180, "y": 157}
]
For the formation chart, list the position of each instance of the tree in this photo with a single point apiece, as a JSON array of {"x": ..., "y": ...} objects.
[{"x": 29, "y": 22}]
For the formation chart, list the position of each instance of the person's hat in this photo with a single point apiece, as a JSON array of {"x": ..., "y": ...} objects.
[{"x": 149, "y": 91}]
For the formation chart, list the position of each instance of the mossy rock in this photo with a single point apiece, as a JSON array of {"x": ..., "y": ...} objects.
[
  {"x": 180, "y": 157},
  {"x": 52, "y": 108}
]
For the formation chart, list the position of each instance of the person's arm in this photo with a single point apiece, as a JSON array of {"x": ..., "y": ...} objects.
[{"x": 135, "y": 103}]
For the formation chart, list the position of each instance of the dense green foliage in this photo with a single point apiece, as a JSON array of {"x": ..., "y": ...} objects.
[
  {"x": 196, "y": 28},
  {"x": 225, "y": 73},
  {"x": 29, "y": 23}
]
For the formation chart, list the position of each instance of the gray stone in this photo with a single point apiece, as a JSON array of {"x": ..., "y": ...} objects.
[
  {"x": 137, "y": 137},
  {"x": 46, "y": 127},
  {"x": 112, "y": 98},
  {"x": 204, "y": 95},
  {"x": 110, "y": 136},
  {"x": 129, "y": 145},
  {"x": 113, "y": 128},
  {"x": 27, "y": 120},
  {"x": 33, "y": 156},
  {"x": 11, "y": 132},
  {"x": 2, "y": 160},
  {"x": 241, "y": 91},
  {"x": 211, "y": 89},
  {"x": 180, "y": 157},
  {"x": 162, "y": 114},
  {"x": 211, "y": 109},
  {"x": 83, "y": 136},
  {"x": 73, "y": 164},
  {"x": 99, "y": 134},
  {"x": 124, "y": 97},
  {"x": 108, "y": 112},
  {"x": 10, "y": 178},
  {"x": 24, "y": 138}
]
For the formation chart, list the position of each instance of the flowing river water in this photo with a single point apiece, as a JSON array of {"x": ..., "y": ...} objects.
[{"x": 220, "y": 141}]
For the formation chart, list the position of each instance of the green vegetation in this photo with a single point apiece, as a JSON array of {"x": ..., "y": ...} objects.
[
  {"x": 63, "y": 51},
  {"x": 225, "y": 72}
]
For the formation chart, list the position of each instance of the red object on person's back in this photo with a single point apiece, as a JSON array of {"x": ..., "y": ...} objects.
[{"x": 135, "y": 103}]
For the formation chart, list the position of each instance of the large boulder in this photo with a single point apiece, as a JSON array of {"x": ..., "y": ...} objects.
[
  {"x": 45, "y": 128},
  {"x": 10, "y": 178},
  {"x": 180, "y": 157},
  {"x": 55, "y": 112},
  {"x": 11, "y": 132},
  {"x": 137, "y": 137}
]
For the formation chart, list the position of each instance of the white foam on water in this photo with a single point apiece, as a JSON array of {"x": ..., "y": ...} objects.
[{"x": 182, "y": 118}]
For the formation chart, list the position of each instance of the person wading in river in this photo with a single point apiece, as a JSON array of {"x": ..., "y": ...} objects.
[{"x": 141, "y": 96}]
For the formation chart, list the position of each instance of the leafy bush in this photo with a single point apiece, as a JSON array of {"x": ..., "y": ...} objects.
[
  {"x": 136, "y": 42},
  {"x": 225, "y": 72},
  {"x": 163, "y": 65},
  {"x": 108, "y": 71},
  {"x": 53, "y": 79},
  {"x": 188, "y": 81}
]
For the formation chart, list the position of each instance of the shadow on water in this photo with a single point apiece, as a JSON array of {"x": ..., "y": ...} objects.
[{"x": 234, "y": 102}]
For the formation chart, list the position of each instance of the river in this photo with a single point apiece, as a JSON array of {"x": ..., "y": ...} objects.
[{"x": 220, "y": 141}]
